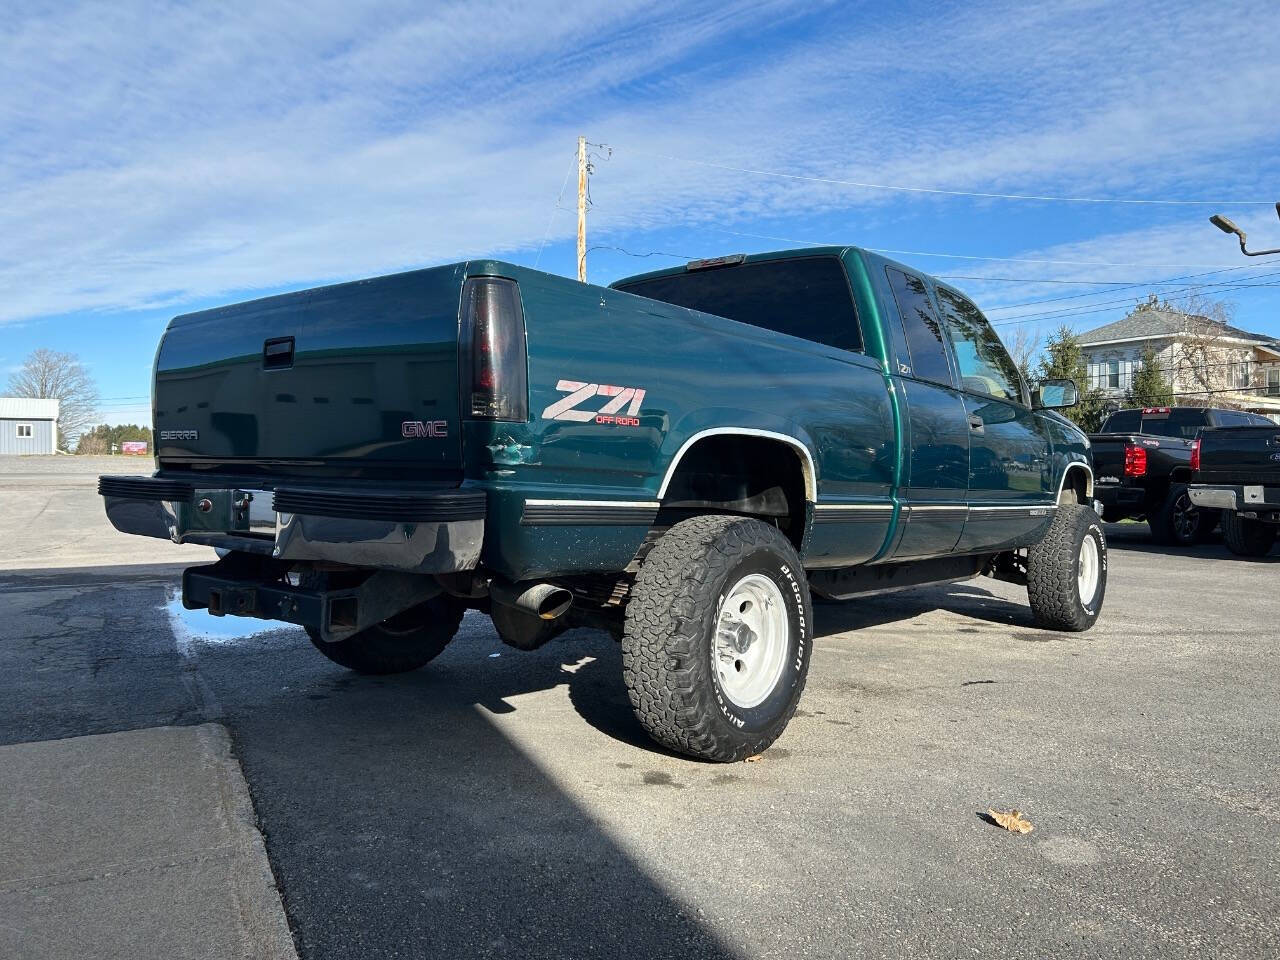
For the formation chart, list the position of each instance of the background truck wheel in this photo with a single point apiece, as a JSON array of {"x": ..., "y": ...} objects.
[
  {"x": 1067, "y": 571},
  {"x": 718, "y": 632},
  {"x": 1245, "y": 537},
  {"x": 402, "y": 643},
  {"x": 1177, "y": 520}
]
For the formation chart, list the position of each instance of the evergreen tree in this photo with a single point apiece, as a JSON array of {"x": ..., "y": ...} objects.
[
  {"x": 1149, "y": 388},
  {"x": 1064, "y": 360}
]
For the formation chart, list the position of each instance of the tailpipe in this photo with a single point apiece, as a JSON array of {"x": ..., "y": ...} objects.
[{"x": 545, "y": 601}]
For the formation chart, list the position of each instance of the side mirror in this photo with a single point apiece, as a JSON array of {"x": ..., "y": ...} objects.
[{"x": 1055, "y": 395}]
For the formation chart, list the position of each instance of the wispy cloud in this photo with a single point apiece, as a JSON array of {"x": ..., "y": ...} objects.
[{"x": 156, "y": 157}]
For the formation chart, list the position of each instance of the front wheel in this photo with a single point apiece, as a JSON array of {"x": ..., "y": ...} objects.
[
  {"x": 1245, "y": 537},
  {"x": 718, "y": 633},
  {"x": 1067, "y": 571}
]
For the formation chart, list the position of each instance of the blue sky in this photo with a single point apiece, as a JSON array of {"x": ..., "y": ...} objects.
[{"x": 164, "y": 157}]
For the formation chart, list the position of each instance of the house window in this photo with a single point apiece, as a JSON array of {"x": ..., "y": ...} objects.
[
  {"x": 24, "y": 431},
  {"x": 1273, "y": 382},
  {"x": 1113, "y": 374}
]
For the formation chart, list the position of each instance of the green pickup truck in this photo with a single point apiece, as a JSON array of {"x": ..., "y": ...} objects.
[{"x": 682, "y": 459}]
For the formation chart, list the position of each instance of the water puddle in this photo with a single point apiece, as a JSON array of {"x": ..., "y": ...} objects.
[{"x": 192, "y": 628}]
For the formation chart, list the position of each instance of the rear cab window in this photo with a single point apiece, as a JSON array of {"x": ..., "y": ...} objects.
[
  {"x": 807, "y": 297},
  {"x": 1182, "y": 422},
  {"x": 1233, "y": 418},
  {"x": 1124, "y": 421}
]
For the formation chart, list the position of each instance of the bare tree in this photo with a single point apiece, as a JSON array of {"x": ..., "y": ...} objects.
[
  {"x": 52, "y": 375},
  {"x": 1023, "y": 348},
  {"x": 1205, "y": 358},
  {"x": 1204, "y": 363}
]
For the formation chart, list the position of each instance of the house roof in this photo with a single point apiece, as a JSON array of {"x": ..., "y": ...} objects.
[
  {"x": 1149, "y": 324},
  {"x": 23, "y": 408}
]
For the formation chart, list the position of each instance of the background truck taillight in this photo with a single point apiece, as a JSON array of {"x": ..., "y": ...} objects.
[
  {"x": 1135, "y": 461},
  {"x": 495, "y": 383},
  {"x": 1195, "y": 454}
]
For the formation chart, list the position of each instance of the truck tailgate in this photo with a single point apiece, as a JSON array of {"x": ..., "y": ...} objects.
[
  {"x": 1107, "y": 450},
  {"x": 1245, "y": 455},
  {"x": 356, "y": 379}
]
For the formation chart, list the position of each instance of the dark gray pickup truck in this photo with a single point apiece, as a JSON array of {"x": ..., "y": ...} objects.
[
  {"x": 1142, "y": 461},
  {"x": 1237, "y": 471}
]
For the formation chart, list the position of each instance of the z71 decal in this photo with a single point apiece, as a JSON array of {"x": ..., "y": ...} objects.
[{"x": 611, "y": 413}]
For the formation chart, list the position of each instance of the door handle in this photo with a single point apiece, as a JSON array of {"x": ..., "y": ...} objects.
[{"x": 976, "y": 424}]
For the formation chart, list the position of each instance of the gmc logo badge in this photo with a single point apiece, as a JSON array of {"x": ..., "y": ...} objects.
[{"x": 413, "y": 429}]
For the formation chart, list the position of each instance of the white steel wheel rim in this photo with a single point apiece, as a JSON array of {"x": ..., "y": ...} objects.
[
  {"x": 752, "y": 635},
  {"x": 1089, "y": 569}
]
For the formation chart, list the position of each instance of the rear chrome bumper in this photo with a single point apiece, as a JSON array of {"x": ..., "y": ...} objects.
[
  {"x": 431, "y": 531},
  {"x": 1215, "y": 498}
]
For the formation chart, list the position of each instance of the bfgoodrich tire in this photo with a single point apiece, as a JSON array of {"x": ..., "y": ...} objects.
[
  {"x": 1245, "y": 537},
  {"x": 717, "y": 639},
  {"x": 1067, "y": 571},
  {"x": 405, "y": 642}
]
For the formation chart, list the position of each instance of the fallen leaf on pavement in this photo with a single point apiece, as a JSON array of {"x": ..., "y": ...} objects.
[
  {"x": 754, "y": 758},
  {"x": 1011, "y": 820}
]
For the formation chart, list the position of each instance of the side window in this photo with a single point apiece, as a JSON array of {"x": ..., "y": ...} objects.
[
  {"x": 985, "y": 366},
  {"x": 920, "y": 323}
]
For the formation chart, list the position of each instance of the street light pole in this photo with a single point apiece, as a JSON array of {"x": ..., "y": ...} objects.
[{"x": 1226, "y": 226}]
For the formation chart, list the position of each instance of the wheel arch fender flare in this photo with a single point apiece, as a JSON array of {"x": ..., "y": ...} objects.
[
  {"x": 1073, "y": 467},
  {"x": 803, "y": 449}
]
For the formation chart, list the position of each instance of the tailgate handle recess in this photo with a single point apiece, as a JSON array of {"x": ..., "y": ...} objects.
[{"x": 277, "y": 354}]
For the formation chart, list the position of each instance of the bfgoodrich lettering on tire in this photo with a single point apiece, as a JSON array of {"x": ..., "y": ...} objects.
[
  {"x": 1067, "y": 570},
  {"x": 717, "y": 639}
]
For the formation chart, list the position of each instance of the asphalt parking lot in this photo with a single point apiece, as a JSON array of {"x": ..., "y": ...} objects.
[{"x": 502, "y": 804}]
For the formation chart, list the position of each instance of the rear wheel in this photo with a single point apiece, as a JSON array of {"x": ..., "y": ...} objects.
[
  {"x": 405, "y": 642},
  {"x": 1177, "y": 520},
  {"x": 717, "y": 639},
  {"x": 1067, "y": 570},
  {"x": 1245, "y": 537}
]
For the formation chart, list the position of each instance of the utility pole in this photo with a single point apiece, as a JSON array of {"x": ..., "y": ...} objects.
[{"x": 582, "y": 209}]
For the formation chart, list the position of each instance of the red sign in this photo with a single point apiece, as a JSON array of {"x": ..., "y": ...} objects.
[{"x": 134, "y": 447}]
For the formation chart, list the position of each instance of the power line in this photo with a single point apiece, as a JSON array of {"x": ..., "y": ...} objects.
[
  {"x": 552, "y": 219},
  {"x": 1179, "y": 394},
  {"x": 1103, "y": 305},
  {"x": 1087, "y": 283},
  {"x": 952, "y": 193},
  {"x": 651, "y": 253},
  {"x": 1171, "y": 281},
  {"x": 968, "y": 256},
  {"x": 1085, "y": 311}
]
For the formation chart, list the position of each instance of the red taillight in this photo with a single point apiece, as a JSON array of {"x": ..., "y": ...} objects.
[
  {"x": 495, "y": 383},
  {"x": 1195, "y": 454},
  {"x": 1135, "y": 461}
]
